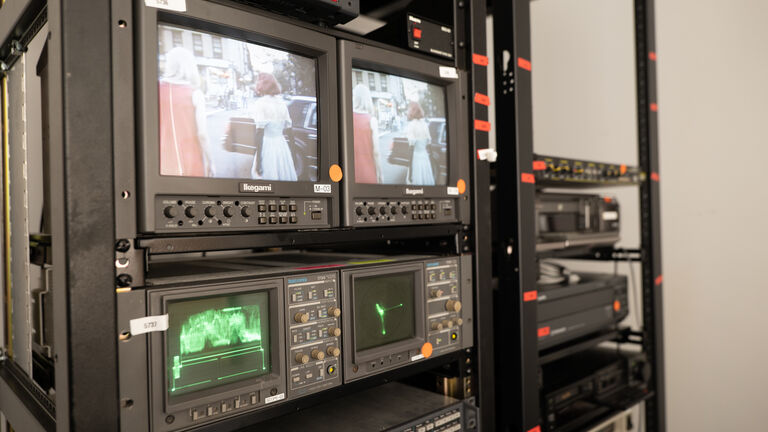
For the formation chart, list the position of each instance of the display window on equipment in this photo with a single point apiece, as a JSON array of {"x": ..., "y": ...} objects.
[
  {"x": 384, "y": 310},
  {"x": 215, "y": 341},
  {"x": 235, "y": 109},
  {"x": 400, "y": 130}
]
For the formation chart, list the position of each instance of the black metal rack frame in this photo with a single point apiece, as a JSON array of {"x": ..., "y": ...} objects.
[
  {"x": 90, "y": 49},
  {"x": 514, "y": 242}
]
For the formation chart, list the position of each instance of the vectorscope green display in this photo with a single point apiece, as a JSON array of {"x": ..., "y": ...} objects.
[
  {"x": 218, "y": 340},
  {"x": 384, "y": 310}
]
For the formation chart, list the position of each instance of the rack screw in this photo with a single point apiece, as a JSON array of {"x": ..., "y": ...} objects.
[
  {"x": 124, "y": 280},
  {"x": 123, "y": 245}
]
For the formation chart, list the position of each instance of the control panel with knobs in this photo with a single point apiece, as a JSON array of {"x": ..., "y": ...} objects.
[
  {"x": 191, "y": 213},
  {"x": 366, "y": 212},
  {"x": 448, "y": 288},
  {"x": 314, "y": 333}
]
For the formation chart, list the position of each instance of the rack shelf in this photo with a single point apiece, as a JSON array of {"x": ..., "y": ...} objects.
[{"x": 554, "y": 171}]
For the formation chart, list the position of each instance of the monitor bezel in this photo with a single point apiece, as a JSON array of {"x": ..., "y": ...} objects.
[
  {"x": 247, "y": 26},
  {"x": 158, "y": 305},
  {"x": 356, "y": 55},
  {"x": 354, "y": 357}
]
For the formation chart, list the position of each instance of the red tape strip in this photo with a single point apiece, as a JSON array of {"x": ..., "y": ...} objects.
[
  {"x": 544, "y": 331},
  {"x": 536, "y": 429},
  {"x": 480, "y": 59},
  {"x": 654, "y": 107},
  {"x": 652, "y": 56},
  {"x": 528, "y": 178},
  {"x": 659, "y": 279},
  {"x": 539, "y": 165},
  {"x": 530, "y": 295},
  {"x": 482, "y": 99},
  {"x": 655, "y": 176},
  {"x": 482, "y": 125},
  {"x": 524, "y": 64}
]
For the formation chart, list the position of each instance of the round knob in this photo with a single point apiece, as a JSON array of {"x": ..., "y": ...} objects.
[
  {"x": 453, "y": 305},
  {"x": 334, "y": 331},
  {"x": 405, "y": 210},
  {"x": 301, "y": 358},
  {"x": 437, "y": 326},
  {"x": 334, "y": 312},
  {"x": 317, "y": 354},
  {"x": 393, "y": 210},
  {"x": 229, "y": 211},
  {"x": 371, "y": 211},
  {"x": 333, "y": 351},
  {"x": 210, "y": 211},
  {"x": 246, "y": 211},
  {"x": 447, "y": 323},
  {"x": 301, "y": 317},
  {"x": 190, "y": 212},
  {"x": 170, "y": 212},
  {"x": 437, "y": 293},
  {"x": 459, "y": 322},
  {"x": 359, "y": 211},
  {"x": 383, "y": 210}
]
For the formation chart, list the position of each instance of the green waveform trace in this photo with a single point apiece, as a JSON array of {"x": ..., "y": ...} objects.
[
  {"x": 220, "y": 327},
  {"x": 380, "y": 310}
]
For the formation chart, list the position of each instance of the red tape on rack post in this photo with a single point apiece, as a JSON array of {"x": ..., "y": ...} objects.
[
  {"x": 536, "y": 429},
  {"x": 480, "y": 59},
  {"x": 659, "y": 280},
  {"x": 482, "y": 125},
  {"x": 539, "y": 165},
  {"x": 652, "y": 56},
  {"x": 528, "y": 178},
  {"x": 544, "y": 331},
  {"x": 530, "y": 295},
  {"x": 482, "y": 99},
  {"x": 655, "y": 176},
  {"x": 524, "y": 64},
  {"x": 654, "y": 107}
]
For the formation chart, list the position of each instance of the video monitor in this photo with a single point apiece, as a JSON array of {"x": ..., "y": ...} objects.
[
  {"x": 238, "y": 122},
  {"x": 399, "y": 127},
  {"x": 384, "y": 310},
  {"x": 216, "y": 341},
  {"x": 405, "y": 138},
  {"x": 235, "y": 109}
]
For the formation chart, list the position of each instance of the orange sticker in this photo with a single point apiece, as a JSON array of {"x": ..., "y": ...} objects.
[
  {"x": 482, "y": 99},
  {"x": 426, "y": 350},
  {"x": 530, "y": 295},
  {"x": 652, "y": 55},
  {"x": 461, "y": 185},
  {"x": 482, "y": 125},
  {"x": 608, "y": 199},
  {"x": 527, "y": 178},
  {"x": 655, "y": 176},
  {"x": 654, "y": 107},
  {"x": 480, "y": 59},
  {"x": 544, "y": 331},
  {"x": 524, "y": 64},
  {"x": 623, "y": 169},
  {"x": 335, "y": 173},
  {"x": 616, "y": 305},
  {"x": 539, "y": 165},
  {"x": 659, "y": 279}
]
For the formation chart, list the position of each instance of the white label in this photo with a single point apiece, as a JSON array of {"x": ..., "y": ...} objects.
[
  {"x": 149, "y": 324},
  {"x": 172, "y": 5},
  {"x": 610, "y": 215},
  {"x": 414, "y": 19},
  {"x": 487, "y": 154},
  {"x": 274, "y": 398},
  {"x": 323, "y": 188},
  {"x": 448, "y": 72},
  {"x": 417, "y": 357},
  {"x": 453, "y": 190}
]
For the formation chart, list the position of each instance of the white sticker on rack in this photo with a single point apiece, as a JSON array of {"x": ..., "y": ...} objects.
[
  {"x": 448, "y": 72},
  {"x": 149, "y": 324},
  {"x": 453, "y": 190},
  {"x": 417, "y": 357},
  {"x": 171, "y": 5},
  {"x": 323, "y": 188},
  {"x": 274, "y": 398}
]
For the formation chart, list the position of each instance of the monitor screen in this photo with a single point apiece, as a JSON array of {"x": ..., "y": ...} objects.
[
  {"x": 384, "y": 310},
  {"x": 215, "y": 341},
  {"x": 235, "y": 109},
  {"x": 400, "y": 130}
]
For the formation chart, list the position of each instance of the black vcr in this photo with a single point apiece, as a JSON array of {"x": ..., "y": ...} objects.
[
  {"x": 582, "y": 388},
  {"x": 568, "y": 220},
  {"x": 569, "y": 311}
]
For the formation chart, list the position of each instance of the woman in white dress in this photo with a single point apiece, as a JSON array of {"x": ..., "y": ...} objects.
[
  {"x": 270, "y": 113},
  {"x": 417, "y": 131}
]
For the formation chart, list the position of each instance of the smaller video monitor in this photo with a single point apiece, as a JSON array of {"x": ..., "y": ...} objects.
[{"x": 405, "y": 139}]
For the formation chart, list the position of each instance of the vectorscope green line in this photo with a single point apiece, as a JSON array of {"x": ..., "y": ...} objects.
[{"x": 380, "y": 310}]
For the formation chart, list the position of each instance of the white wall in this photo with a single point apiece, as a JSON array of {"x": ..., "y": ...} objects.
[{"x": 713, "y": 108}]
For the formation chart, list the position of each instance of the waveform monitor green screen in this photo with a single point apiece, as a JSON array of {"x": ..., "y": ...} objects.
[
  {"x": 384, "y": 310},
  {"x": 214, "y": 341}
]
